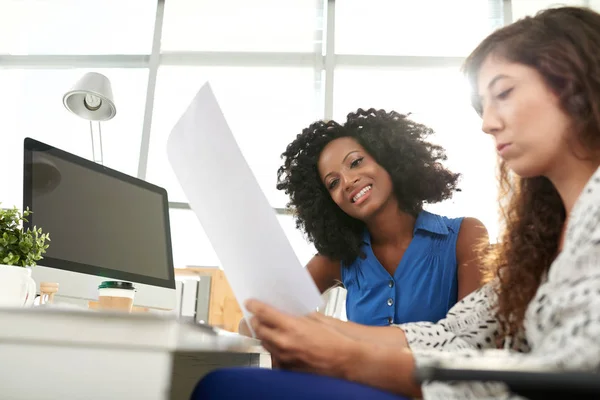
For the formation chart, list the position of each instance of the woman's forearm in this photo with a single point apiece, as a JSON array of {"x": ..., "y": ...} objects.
[
  {"x": 382, "y": 335},
  {"x": 390, "y": 369}
]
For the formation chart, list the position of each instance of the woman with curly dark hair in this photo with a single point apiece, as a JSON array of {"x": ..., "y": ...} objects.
[
  {"x": 357, "y": 191},
  {"x": 537, "y": 88}
]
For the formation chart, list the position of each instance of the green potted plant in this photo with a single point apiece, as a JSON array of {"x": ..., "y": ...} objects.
[{"x": 20, "y": 249}]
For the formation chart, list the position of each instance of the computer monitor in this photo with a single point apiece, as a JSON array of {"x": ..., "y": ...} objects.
[{"x": 103, "y": 225}]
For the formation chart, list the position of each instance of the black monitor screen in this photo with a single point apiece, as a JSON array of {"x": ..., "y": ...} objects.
[{"x": 101, "y": 222}]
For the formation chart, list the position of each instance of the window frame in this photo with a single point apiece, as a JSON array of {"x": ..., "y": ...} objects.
[{"x": 324, "y": 59}]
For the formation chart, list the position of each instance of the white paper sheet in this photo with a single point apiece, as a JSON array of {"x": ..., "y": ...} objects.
[{"x": 242, "y": 227}]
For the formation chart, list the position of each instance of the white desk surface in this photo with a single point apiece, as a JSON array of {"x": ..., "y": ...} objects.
[{"x": 64, "y": 354}]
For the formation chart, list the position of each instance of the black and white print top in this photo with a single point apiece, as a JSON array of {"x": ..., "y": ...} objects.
[{"x": 562, "y": 322}]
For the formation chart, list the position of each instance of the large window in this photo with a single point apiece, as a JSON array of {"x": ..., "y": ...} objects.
[
  {"x": 65, "y": 27},
  {"x": 240, "y": 25},
  {"x": 413, "y": 28},
  {"x": 275, "y": 66},
  {"x": 31, "y": 104},
  {"x": 266, "y": 107},
  {"x": 523, "y": 8}
]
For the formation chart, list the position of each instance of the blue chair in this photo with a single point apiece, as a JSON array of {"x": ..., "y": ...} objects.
[{"x": 267, "y": 384}]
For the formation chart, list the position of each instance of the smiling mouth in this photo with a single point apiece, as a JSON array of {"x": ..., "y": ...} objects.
[{"x": 360, "y": 194}]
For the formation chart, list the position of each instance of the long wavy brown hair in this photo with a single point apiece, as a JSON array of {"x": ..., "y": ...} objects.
[{"x": 563, "y": 45}]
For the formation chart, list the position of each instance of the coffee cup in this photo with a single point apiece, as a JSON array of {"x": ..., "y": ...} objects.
[{"x": 116, "y": 295}]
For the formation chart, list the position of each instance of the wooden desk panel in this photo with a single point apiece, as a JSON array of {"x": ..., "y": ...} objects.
[{"x": 224, "y": 310}]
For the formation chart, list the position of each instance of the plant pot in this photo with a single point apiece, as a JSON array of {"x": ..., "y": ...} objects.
[{"x": 17, "y": 287}]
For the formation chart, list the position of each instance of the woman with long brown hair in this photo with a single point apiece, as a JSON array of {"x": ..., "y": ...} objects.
[{"x": 537, "y": 88}]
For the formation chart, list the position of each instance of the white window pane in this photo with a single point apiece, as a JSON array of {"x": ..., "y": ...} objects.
[
  {"x": 240, "y": 25},
  {"x": 304, "y": 250},
  {"x": 265, "y": 108},
  {"x": 523, "y": 8},
  {"x": 191, "y": 246},
  {"x": 438, "y": 97},
  {"x": 416, "y": 28},
  {"x": 76, "y": 26},
  {"x": 31, "y": 104}
]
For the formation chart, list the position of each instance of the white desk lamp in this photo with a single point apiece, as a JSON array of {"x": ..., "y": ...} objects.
[{"x": 91, "y": 98}]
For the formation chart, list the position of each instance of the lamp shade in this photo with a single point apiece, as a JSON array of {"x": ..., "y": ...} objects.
[{"x": 91, "y": 98}]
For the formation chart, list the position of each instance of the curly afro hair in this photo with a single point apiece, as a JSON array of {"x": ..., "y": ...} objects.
[{"x": 395, "y": 142}]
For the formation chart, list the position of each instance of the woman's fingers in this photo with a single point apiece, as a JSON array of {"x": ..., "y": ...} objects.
[
  {"x": 282, "y": 357},
  {"x": 279, "y": 342},
  {"x": 273, "y": 335},
  {"x": 282, "y": 335},
  {"x": 275, "y": 364},
  {"x": 268, "y": 315}
]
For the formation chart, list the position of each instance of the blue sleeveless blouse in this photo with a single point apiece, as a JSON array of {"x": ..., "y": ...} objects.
[{"x": 424, "y": 286}]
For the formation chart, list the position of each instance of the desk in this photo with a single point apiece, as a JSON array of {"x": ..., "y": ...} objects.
[{"x": 63, "y": 354}]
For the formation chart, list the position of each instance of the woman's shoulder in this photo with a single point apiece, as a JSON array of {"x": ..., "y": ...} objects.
[
  {"x": 471, "y": 234},
  {"x": 453, "y": 224},
  {"x": 469, "y": 223}
]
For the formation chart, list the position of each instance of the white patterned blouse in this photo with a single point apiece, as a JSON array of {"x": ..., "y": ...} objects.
[{"x": 562, "y": 322}]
